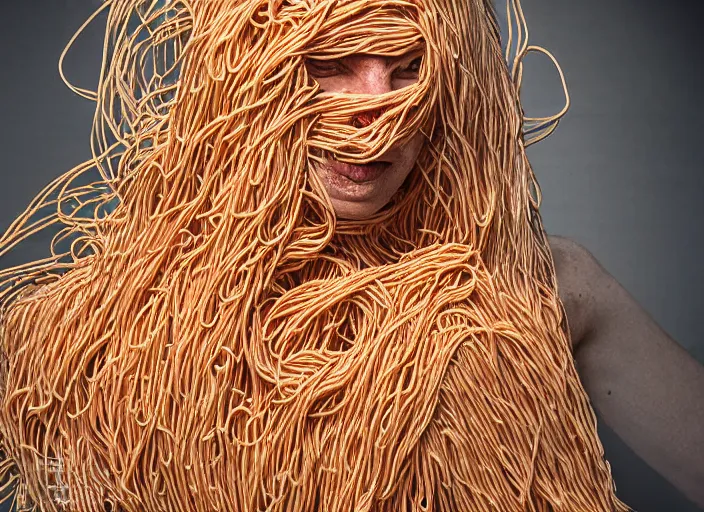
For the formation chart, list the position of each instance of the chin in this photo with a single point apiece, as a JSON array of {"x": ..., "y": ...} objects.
[
  {"x": 357, "y": 201},
  {"x": 349, "y": 210},
  {"x": 360, "y": 200}
]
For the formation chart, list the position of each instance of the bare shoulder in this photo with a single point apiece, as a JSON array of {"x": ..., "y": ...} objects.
[
  {"x": 645, "y": 386},
  {"x": 579, "y": 278},
  {"x": 568, "y": 253}
]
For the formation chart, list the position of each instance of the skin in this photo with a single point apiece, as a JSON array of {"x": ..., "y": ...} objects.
[
  {"x": 364, "y": 74},
  {"x": 644, "y": 386}
]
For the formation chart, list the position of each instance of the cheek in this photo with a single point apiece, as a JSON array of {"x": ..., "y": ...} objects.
[
  {"x": 412, "y": 150},
  {"x": 417, "y": 144}
]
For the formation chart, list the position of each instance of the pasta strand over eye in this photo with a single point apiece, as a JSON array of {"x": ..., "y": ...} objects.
[{"x": 207, "y": 335}]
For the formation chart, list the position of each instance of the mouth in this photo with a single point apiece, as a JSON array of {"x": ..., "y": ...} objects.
[{"x": 360, "y": 173}]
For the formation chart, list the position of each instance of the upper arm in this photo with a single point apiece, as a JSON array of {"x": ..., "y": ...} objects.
[
  {"x": 645, "y": 386},
  {"x": 576, "y": 272}
]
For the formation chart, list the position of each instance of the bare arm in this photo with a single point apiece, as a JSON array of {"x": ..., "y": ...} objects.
[{"x": 646, "y": 387}]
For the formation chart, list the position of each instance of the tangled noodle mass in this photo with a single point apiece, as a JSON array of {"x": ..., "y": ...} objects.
[{"x": 206, "y": 334}]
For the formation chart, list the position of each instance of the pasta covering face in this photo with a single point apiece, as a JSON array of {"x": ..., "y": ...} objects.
[{"x": 207, "y": 335}]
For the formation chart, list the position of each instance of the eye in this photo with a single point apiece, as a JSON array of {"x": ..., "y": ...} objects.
[
  {"x": 415, "y": 64},
  {"x": 412, "y": 69},
  {"x": 320, "y": 68}
]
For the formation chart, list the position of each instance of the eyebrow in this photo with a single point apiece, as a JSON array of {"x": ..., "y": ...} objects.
[
  {"x": 409, "y": 55},
  {"x": 390, "y": 59}
]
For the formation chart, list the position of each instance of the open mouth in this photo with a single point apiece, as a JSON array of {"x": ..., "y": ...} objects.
[{"x": 360, "y": 173}]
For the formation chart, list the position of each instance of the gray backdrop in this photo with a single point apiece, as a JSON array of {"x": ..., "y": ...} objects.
[{"x": 622, "y": 174}]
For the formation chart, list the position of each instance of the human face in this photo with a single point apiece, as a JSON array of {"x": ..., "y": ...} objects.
[{"x": 359, "y": 191}]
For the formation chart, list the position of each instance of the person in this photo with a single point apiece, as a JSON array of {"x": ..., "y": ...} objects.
[{"x": 326, "y": 285}]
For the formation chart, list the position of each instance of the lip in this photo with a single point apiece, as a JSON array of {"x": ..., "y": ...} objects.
[{"x": 360, "y": 173}]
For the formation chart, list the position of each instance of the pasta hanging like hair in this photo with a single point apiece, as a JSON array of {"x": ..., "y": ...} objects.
[{"x": 207, "y": 335}]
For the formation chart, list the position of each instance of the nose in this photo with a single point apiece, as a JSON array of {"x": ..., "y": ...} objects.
[{"x": 371, "y": 75}]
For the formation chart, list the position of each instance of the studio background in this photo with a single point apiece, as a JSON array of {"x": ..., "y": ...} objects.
[{"x": 622, "y": 175}]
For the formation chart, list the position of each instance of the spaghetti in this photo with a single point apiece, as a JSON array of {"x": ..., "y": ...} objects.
[{"x": 206, "y": 335}]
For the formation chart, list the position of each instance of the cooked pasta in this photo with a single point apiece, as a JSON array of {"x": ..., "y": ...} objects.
[{"x": 207, "y": 335}]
